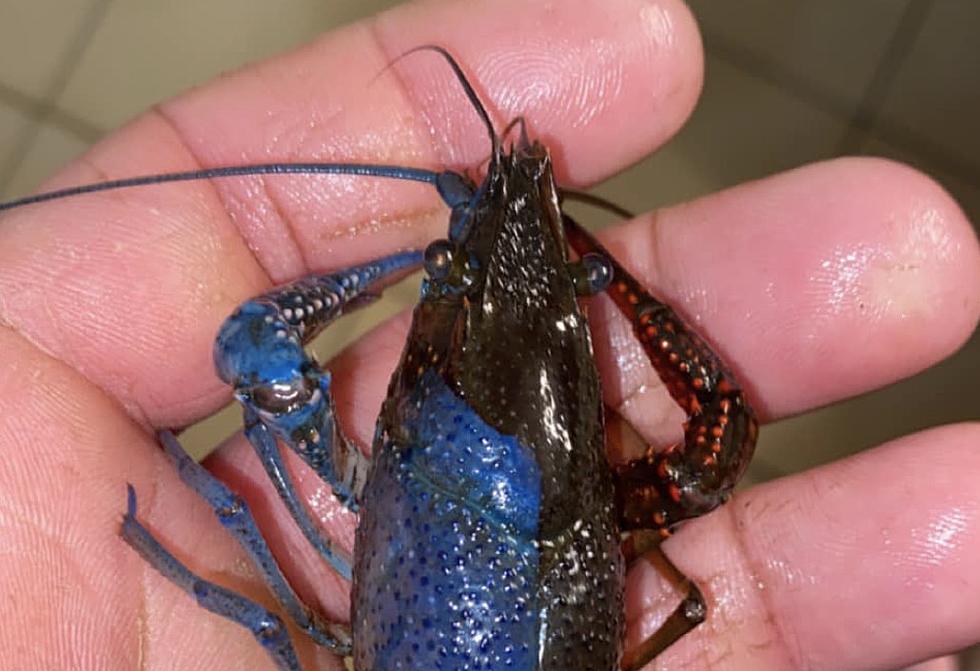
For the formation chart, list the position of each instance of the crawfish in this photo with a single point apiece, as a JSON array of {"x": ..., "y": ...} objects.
[{"x": 494, "y": 534}]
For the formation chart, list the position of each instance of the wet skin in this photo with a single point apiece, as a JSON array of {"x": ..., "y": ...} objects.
[
  {"x": 490, "y": 494},
  {"x": 106, "y": 342}
]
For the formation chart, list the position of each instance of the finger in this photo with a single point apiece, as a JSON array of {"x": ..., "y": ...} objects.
[
  {"x": 868, "y": 563},
  {"x": 881, "y": 213},
  {"x": 883, "y": 198},
  {"x": 810, "y": 297},
  {"x": 584, "y": 71},
  {"x": 947, "y": 663},
  {"x": 814, "y": 285},
  {"x": 88, "y": 284},
  {"x": 77, "y": 595},
  {"x": 116, "y": 284}
]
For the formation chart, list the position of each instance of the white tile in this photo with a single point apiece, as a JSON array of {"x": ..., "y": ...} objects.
[
  {"x": 966, "y": 193},
  {"x": 743, "y": 128},
  {"x": 202, "y": 438},
  {"x": 833, "y": 45},
  {"x": 35, "y": 37},
  {"x": 936, "y": 93},
  {"x": 669, "y": 176},
  {"x": 51, "y": 149},
  {"x": 759, "y": 471},
  {"x": 13, "y": 126},
  {"x": 971, "y": 659},
  {"x": 145, "y": 52}
]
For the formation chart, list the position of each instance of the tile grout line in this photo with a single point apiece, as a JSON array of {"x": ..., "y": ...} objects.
[
  {"x": 32, "y": 106},
  {"x": 772, "y": 73},
  {"x": 895, "y": 54},
  {"x": 807, "y": 92},
  {"x": 906, "y": 139},
  {"x": 44, "y": 110}
]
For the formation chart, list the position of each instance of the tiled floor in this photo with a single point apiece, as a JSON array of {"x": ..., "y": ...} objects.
[{"x": 786, "y": 84}]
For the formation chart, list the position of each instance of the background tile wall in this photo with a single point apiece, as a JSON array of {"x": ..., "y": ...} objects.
[{"x": 786, "y": 83}]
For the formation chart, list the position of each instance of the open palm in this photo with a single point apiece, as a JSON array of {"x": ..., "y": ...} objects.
[{"x": 818, "y": 284}]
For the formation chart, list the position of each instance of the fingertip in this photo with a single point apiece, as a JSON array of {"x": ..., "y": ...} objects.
[
  {"x": 902, "y": 515},
  {"x": 794, "y": 567},
  {"x": 818, "y": 283},
  {"x": 928, "y": 276},
  {"x": 602, "y": 84},
  {"x": 671, "y": 23}
]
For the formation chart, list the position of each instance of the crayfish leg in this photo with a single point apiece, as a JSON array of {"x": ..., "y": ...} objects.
[
  {"x": 644, "y": 545},
  {"x": 267, "y": 627},
  {"x": 234, "y": 514},
  {"x": 260, "y": 351},
  {"x": 660, "y": 489}
]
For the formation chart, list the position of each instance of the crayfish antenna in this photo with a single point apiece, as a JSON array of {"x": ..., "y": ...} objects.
[
  {"x": 468, "y": 89},
  {"x": 393, "y": 172}
]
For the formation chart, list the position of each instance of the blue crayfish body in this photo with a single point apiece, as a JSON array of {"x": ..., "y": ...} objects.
[
  {"x": 488, "y": 536},
  {"x": 492, "y": 524},
  {"x": 448, "y": 575}
]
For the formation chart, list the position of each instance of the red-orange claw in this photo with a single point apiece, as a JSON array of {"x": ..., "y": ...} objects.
[{"x": 720, "y": 434}]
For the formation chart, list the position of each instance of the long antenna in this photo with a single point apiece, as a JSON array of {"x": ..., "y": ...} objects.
[
  {"x": 467, "y": 89},
  {"x": 393, "y": 172},
  {"x": 596, "y": 201}
]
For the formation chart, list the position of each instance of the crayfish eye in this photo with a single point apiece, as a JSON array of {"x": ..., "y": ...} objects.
[
  {"x": 598, "y": 270},
  {"x": 281, "y": 397},
  {"x": 592, "y": 274},
  {"x": 439, "y": 259}
]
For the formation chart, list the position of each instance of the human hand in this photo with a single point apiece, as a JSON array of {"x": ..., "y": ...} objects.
[{"x": 817, "y": 284}]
